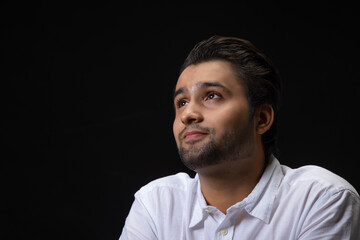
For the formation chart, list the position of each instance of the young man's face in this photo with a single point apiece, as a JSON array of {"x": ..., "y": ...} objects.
[{"x": 212, "y": 122}]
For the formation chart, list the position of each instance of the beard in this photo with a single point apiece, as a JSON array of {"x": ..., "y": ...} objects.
[{"x": 233, "y": 145}]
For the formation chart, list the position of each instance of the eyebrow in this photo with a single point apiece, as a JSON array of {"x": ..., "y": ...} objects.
[{"x": 200, "y": 85}]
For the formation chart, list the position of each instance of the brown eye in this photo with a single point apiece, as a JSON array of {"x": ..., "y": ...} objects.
[
  {"x": 181, "y": 103},
  {"x": 214, "y": 95}
]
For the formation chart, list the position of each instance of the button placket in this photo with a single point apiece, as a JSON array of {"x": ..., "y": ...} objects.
[{"x": 224, "y": 231}]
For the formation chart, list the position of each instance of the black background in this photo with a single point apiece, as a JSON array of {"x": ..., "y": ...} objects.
[{"x": 87, "y": 100}]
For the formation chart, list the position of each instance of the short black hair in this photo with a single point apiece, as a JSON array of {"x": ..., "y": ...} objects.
[{"x": 259, "y": 75}]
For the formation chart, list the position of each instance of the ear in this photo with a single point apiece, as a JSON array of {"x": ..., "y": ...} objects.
[{"x": 264, "y": 118}]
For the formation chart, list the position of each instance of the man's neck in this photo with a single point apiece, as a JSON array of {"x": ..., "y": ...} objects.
[{"x": 228, "y": 183}]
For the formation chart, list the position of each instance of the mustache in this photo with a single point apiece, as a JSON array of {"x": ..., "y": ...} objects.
[{"x": 195, "y": 126}]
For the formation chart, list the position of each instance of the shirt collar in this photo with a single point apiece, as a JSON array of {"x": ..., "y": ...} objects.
[
  {"x": 261, "y": 200},
  {"x": 258, "y": 203},
  {"x": 198, "y": 204}
]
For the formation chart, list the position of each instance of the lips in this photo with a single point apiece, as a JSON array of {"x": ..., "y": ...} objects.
[{"x": 193, "y": 134}]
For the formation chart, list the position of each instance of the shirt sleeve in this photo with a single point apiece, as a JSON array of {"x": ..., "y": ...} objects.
[
  {"x": 333, "y": 217},
  {"x": 138, "y": 225}
]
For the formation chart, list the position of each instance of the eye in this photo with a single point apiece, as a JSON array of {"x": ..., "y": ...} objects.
[
  {"x": 213, "y": 95},
  {"x": 181, "y": 103}
]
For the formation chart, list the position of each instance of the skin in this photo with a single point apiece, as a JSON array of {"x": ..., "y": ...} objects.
[{"x": 210, "y": 103}]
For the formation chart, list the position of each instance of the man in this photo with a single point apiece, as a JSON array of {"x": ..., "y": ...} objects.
[{"x": 226, "y": 101}]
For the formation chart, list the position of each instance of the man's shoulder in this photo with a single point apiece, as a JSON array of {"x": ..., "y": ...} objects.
[
  {"x": 312, "y": 176},
  {"x": 179, "y": 182}
]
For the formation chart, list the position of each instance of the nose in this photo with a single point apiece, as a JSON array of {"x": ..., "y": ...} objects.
[{"x": 191, "y": 114}]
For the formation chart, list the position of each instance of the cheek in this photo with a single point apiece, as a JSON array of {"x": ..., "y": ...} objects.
[
  {"x": 176, "y": 130},
  {"x": 229, "y": 119}
]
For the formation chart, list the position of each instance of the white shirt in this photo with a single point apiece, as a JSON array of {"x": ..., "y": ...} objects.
[{"x": 305, "y": 203}]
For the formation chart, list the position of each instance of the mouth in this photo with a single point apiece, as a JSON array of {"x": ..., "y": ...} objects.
[{"x": 193, "y": 135}]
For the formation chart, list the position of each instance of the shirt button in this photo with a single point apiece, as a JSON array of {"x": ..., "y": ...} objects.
[
  {"x": 224, "y": 231},
  {"x": 208, "y": 210}
]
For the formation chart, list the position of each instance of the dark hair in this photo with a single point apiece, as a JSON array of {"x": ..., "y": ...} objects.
[{"x": 260, "y": 77}]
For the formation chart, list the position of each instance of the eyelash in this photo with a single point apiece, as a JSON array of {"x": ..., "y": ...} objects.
[
  {"x": 213, "y": 93},
  {"x": 180, "y": 101}
]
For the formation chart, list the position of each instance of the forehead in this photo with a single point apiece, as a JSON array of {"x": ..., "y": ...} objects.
[{"x": 219, "y": 71}]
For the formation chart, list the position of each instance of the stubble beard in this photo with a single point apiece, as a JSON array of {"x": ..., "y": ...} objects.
[{"x": 232, "y": 146}]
